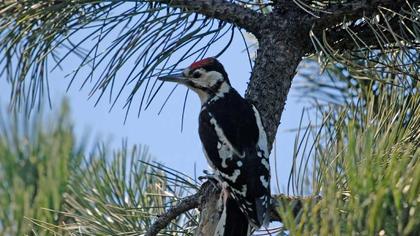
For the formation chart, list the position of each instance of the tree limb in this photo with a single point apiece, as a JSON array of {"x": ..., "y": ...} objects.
[
  {"x": 281, "y": 48},
  {"x": 217, "y": 9},
  {"x": 222, "y": 10},
  {"x": 183, "y": 206},
  {"x": 372, "y": 37},
  {"x": 205, "y": 199},
  {"x": 354, "y": 10},
  {"x": 330, "y": 24}
]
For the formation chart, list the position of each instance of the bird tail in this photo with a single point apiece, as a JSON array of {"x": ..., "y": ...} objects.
[{"x": 233, "y": 222}]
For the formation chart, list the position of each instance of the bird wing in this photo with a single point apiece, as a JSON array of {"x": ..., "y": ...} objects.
[{"x": 234, "y": 145}]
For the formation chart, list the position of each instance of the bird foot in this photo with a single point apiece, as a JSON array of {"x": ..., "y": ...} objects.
[{"x": 211, "y": 177}]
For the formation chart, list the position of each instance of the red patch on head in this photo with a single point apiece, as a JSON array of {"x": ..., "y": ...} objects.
[{"x": 201, "y": 63}]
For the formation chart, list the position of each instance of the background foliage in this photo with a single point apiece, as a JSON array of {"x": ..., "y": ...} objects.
[
  {"x": 365, "y": 163},
  {"x": 36, "y": 159},
  {"x": 50, "y": 185}
]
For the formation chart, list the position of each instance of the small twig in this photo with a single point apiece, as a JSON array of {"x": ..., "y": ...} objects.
[{"x": 163, "y": 220}]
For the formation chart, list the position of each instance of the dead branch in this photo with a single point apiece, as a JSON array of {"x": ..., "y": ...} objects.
[{"x": 183, "y": 206}]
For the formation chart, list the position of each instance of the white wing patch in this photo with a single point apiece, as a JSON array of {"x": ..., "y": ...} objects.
[
  {"x": 225, "y": 153},
  {"x": 232, "y": 177},
  {"x": 227, "y": 150},
  {"x": 265, "y": 163},
  {"x": 264, "y": 182},
  {"x": 262, "y": 138}
]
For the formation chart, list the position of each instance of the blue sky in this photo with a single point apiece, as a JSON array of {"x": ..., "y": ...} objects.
[{"x": 162, "y": 133}]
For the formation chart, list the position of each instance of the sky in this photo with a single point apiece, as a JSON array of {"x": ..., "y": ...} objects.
[{"x": 162, "y": 133}]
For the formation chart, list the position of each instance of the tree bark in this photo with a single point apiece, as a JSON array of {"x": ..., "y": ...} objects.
[
  {"x": 222, "y": 10},
  {"x": 281, "y": 48},
  {"x": 210, "y": 209}
]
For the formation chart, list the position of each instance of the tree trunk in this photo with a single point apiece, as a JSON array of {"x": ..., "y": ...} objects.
[{"x": 281, "y": 47}]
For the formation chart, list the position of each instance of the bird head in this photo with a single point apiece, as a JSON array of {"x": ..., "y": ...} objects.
[{"x": 206, "y": 77}]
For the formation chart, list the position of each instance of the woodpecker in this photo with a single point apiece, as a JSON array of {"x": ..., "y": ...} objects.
[{"x": 235, "y": 145}]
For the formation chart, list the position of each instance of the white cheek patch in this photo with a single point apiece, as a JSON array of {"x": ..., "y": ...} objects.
[
  {"x": 212, "y": 78},
  {"x": 208, "y": 79},
  {"x": 223, "y": 89}
]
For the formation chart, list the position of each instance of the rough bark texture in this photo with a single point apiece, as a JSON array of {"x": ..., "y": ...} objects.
[
  {"x": 210, "y": 209},
  {"x": 184, "y": 205},
  {"x": 222, "y": 10},
  {"x": 275, "y": 66}
]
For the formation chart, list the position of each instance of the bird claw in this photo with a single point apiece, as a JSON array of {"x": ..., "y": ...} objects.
[{"x": 211, "y": 177}]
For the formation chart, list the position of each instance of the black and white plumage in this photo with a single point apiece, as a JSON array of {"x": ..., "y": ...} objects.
[{"x": 235, "y": 145}]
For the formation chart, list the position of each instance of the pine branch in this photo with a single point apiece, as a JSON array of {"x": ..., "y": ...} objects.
[
  {"x": 183, "y": 206},
  {"x": 352, "y": 10},
  {"x": 206, "y": 199},
  {"x": 222, "y": 10},
  {"x": 331, "y": 22},
  {"x": 370, "y": 32}
]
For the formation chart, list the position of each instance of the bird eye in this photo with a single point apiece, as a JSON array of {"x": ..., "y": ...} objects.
[{"x": 196, "y": 74}]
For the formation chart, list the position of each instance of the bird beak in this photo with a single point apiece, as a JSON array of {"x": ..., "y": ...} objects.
[{"x": 177, "y": 78}]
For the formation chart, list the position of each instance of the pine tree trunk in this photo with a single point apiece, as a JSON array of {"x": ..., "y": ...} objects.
[{"x": 275, "y": 67}]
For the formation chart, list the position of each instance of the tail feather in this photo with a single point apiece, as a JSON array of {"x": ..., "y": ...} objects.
[
  {"x": 256, "y": 209},
  {"x": 261, "y": 207},
  {"x": 233, "y": 222}
]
